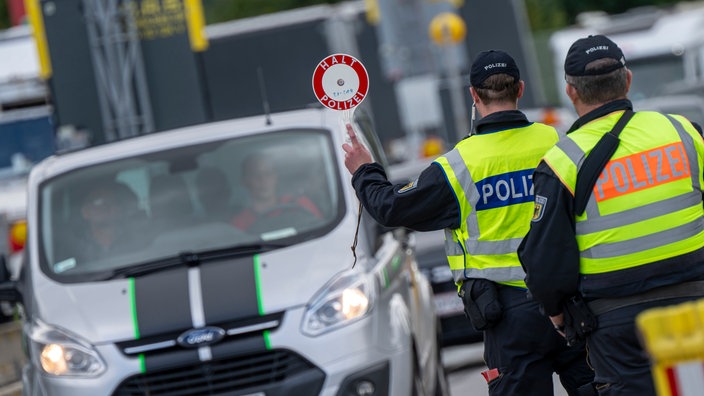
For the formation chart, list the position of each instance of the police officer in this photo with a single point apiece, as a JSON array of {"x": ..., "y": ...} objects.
[
  {"x": 638, "y": 243},
  {"x": 481, "y": 194}
]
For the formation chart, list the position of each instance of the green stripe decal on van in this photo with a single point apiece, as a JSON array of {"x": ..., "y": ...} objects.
[
  {"x": 133, "y": 307},
  {"x": 267, "y": 340},
  {"x": 258, "y": 284},
  {"x": 260, "y": 305}
]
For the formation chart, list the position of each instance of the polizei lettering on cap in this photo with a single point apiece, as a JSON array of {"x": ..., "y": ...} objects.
[
  {"x": 505, "y": 189},
  {"x": 493, "y": 65},
  {"x": 597, "y": 48}
]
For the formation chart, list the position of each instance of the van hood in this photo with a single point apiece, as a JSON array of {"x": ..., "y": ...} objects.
[{"x": 183, "y": 298}]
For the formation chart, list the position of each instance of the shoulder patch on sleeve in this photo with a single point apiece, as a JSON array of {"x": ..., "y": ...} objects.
[
  {"x": 408, "y": 187},
  {"x": 539, "y": 207}
]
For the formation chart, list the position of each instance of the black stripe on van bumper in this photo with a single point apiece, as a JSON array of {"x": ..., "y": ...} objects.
[{"x": 229, "y": 294}]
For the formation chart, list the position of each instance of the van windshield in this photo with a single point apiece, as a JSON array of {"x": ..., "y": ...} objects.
[{"x": 272, "y": 189}]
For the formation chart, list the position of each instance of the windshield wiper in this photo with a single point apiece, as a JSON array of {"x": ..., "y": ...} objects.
[{"x": 190, "y": 259}]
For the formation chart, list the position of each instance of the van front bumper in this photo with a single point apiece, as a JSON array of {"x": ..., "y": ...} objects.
[{"x": 357, "y": 358}]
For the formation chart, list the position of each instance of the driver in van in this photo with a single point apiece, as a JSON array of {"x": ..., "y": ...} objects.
[
  {"x": 107, "y": 209},
  {"x": 261, "y": 179}
]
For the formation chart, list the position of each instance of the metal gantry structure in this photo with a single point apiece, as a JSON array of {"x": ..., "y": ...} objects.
[{"x": 119, "y": 68}]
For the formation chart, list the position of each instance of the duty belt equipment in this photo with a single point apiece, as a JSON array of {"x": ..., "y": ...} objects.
[{"x": 687, "y": 289}]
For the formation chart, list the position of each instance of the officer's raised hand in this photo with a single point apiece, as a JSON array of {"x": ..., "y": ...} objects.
[{"x": 356, "y": 154}]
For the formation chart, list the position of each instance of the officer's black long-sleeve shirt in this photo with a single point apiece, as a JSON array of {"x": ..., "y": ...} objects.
[
  {"x": 549, "y": 252},
  {"x": 429, "y": 204}
]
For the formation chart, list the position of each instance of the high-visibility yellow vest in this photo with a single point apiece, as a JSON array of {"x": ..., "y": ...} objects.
[
  {"x": 646, "y": 205},
  {"x": 491, "y": 175}
]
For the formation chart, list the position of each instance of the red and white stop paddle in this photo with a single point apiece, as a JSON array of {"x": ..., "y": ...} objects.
[{"x": 341, "y": 82}]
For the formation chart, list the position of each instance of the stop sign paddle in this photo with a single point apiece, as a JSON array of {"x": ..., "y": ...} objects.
[{"x": 340, "y": 82}]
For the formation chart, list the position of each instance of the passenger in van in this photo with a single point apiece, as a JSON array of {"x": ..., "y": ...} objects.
[
  {"x": 266, "y": 204},
  {"x": 108, "y": 209}
]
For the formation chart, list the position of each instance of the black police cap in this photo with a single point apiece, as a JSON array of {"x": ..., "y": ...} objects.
[
  {"x": 492, "y": 62},
  {"x": 589, "y": 49}
]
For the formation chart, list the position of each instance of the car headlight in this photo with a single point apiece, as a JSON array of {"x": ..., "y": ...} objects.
[
  {"x": 344, "y": 300},
  {"x": 61, "y": 354}
]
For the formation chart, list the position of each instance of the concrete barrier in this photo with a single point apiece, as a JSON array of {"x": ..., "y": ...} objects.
[
  {"x": 12, "y": 358},
  {"x": 673, "y": 336}
]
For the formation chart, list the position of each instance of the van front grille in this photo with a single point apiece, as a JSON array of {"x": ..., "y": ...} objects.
[{"x": 269, "y": 370}]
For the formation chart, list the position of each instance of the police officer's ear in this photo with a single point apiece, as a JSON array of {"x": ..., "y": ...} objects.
[
  {"x": 475, "y": 97},
  {"x": 571, "y": 92},
  {"x": 521, "y": 89}
]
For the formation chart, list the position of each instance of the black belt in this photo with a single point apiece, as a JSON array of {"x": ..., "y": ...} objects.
[{"x": 686, "y": 289}]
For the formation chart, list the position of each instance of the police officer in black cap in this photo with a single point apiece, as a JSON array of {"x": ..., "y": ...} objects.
[
  {"x": 613, "y": 237},
  {"x": 480, "y": 193}
]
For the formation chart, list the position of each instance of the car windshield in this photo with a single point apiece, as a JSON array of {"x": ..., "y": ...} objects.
[{"x": 239, "y": 195}]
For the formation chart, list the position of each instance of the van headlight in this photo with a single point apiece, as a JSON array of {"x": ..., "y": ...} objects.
[
  {"x": 344, "y": 300},
  {"x": 61, "y": 354}
]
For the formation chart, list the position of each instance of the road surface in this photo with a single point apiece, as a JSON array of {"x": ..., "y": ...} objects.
[{"x": 464, "y": 365}]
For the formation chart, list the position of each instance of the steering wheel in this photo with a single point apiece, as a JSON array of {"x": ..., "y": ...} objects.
[{"x": 283, "y": 215}]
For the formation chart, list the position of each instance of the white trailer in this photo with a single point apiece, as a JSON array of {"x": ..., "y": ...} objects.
[{"x": 664, "y": 47}]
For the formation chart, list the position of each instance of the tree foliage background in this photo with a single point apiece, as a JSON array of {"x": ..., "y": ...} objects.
[
  {"x": 224, "y": 10},
  {"x": 4, "y": 15},
  {"x": 543, "y": 14},
  {"x": 554, "y": 14}
]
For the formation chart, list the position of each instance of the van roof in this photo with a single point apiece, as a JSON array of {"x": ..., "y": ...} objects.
[{"x": 180, "y": 137}]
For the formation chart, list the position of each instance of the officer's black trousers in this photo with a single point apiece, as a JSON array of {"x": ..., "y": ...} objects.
[
  {"x": 526, "y": 350},
  {"x": 621, "y": 364}
]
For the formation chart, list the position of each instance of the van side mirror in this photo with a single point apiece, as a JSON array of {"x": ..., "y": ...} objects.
[{"x": 8, "y": 288}]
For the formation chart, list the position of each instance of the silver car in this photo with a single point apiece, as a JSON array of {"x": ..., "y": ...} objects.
[
  {"x": 154, "y": 267},
  {"x": 455, "y": 327}
]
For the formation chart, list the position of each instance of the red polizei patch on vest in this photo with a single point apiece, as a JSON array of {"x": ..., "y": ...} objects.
[{"x": 641, "y": 171}]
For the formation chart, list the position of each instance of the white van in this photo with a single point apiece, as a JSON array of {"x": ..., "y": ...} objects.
[{"x": 153, "y": 268}]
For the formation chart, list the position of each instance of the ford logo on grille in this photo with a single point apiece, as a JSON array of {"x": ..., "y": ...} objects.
[{"x": 200, "y": 337}]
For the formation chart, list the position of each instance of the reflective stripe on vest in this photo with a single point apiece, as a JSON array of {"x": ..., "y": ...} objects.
[
  {"x": 660, "y": 174},
  {"x": 495, "y": 195}
]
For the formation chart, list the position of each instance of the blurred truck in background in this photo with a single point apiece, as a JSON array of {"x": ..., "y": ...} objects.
[
  {"x": 663, "y": 47},
  {"x": 26, "y": 137}
]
